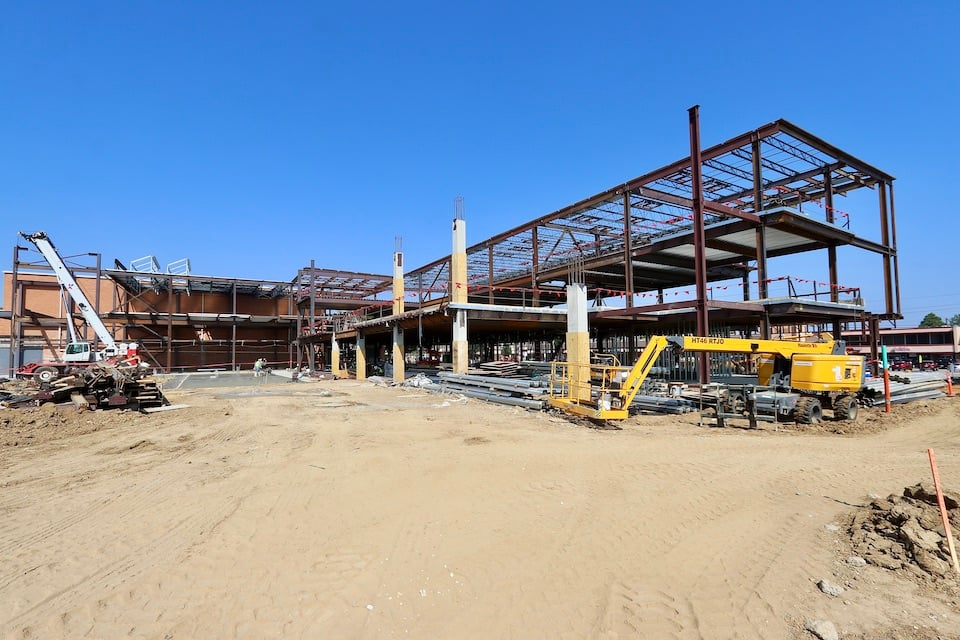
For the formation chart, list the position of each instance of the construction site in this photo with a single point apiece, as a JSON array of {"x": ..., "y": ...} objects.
[{"x": 446, "y": 450}]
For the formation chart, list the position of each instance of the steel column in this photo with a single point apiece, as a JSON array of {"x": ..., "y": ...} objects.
[
  {"x": 831, "y": 250},
  {"x": 233, "y": 328},
  {"x": 170, "y": 324},
  {"x": 896, "y": 259},
  {"x": 490, "y": 273},
  {"x": 885, "y": 239},
  {"x": 14, "y": 355},
  {"x": 761, "y": 236},
  {"x": 627, "y": 247},
  {"x": 535, "y": 268},
  {"x": 699, "y": 238}
]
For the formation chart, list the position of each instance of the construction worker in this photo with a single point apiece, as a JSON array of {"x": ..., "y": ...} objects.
[{"x": 258, "y": 368}]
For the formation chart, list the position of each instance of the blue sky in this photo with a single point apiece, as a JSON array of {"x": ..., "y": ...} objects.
[{"x": 254, "y": 137}]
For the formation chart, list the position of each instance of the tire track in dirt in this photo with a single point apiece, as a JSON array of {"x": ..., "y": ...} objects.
[{"x": 142, "y": 556}]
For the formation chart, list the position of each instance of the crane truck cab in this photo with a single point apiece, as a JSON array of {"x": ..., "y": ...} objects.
[{"x": 80, "y": 354}]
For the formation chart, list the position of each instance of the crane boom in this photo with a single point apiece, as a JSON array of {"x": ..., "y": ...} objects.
[{"x": 72, "y": 288}]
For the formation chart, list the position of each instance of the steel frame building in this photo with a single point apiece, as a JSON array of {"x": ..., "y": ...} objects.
[
  {"x": 649, "y": 251},
  {"x": 720, "y": 214}
]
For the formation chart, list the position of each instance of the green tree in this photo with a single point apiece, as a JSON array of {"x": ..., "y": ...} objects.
[
  {"x": 954, "y": 320},
  {"x": 931, "y": 320}
]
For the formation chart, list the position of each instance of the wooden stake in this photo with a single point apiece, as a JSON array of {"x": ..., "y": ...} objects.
[
  {"x": 943, "y": 510},
  {"x": 886, "y": 390}
]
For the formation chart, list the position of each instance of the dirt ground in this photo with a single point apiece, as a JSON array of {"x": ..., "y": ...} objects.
[{"x": 339, "y": 509}]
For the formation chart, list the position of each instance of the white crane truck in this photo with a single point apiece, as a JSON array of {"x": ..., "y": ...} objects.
[{"x": 78, "y": 352}]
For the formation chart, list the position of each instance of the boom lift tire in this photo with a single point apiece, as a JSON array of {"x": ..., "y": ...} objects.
[
  {"x": 808, "y": 411},
  {"x": 845, "y": 407},
  {"x": 46, "y": 375},
  {"x": 735, "y": 402}
]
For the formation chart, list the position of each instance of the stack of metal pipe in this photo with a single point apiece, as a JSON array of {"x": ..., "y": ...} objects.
[
  {"x": 527, "y": 393},
  {"x": 904, "y": 387}
]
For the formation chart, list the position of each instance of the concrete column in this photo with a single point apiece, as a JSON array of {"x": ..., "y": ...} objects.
[
  {"x": 458, "y": 294},
  {"x": 458, "y": 262},
  {"x": 398, "y": 354},
  {"x": 361, "y": 357},
  {"x": 398, "y": 283},
  {"x": 578, "y": 342},
  {"x": 334, "y": 356},
  {"x": 461, "y": 354}
]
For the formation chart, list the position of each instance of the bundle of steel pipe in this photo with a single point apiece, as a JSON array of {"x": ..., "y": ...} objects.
[
  {"x": 904, "y": 388},
  {"x": 663, "y": 404},
  {"x": 524, "y": 393}
]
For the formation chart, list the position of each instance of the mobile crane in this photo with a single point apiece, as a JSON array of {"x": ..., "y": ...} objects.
[
  {"x": 78, "y": 352},
  {"x": 804, "y": 378}
]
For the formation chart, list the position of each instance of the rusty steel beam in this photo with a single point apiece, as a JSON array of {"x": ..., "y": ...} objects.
[
  {"x": 699, "y": 239},
  {"x": 822, "y": 145}
]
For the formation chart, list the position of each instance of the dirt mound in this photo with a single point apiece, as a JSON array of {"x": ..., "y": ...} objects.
[
  {"x": 22, "y": 427},
  {"x": 905, "y": 533}
]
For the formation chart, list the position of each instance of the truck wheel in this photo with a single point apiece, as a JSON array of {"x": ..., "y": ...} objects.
[
  {"x": 46, "y": 374},
  {"x": 846, "y": 408},
  {"x": 808, "y": 411}
]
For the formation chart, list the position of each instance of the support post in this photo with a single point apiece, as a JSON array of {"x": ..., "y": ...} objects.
[
  {"x": 334, "y": 356},
  {"x": 578, "y": 342},
  {"x": 399, "y": 364},
  {"x": 458, "y": 295},
  {"x": 361, "y": 357},
  {"x": 699, "y": 237},
  {"x": 398, "y": 291},
  {"x": 170, "y": 321},
  {"x": 14, "y": 356},
  {"x": 627, "y": 248},
  {"x": 887, "y": 260}
]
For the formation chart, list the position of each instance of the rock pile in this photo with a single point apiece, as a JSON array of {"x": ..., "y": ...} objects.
[{"x": 906, "y": 533}]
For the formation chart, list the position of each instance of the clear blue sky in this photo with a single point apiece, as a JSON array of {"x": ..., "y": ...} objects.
[{"x": 253, "y": 137}]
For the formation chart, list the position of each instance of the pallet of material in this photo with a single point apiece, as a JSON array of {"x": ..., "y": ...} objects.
[{"x": 499, "y": 368}]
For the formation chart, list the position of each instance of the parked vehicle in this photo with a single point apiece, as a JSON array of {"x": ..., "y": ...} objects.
[
  {"x": 901, "y": 365},
  {"x": 929, "y": 365}
]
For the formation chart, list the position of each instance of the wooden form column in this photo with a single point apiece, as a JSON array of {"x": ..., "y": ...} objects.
[
  {"x": 458, "y": 295},
  {"x": 399, "y": 363}
]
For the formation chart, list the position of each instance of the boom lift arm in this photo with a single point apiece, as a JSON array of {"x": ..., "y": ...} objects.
[
  {"x": 70, "y": 286},
  {"x": 812, "y": 368}
]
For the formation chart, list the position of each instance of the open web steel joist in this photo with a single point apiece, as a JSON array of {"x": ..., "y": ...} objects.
[{"x": 766, "y": 193}]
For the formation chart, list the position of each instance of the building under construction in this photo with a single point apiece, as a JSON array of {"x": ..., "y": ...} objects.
[{"x": 685, "y": 249}]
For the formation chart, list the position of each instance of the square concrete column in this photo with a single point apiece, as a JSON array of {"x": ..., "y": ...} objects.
[
  {"x": 461, "y": 353},
  {"x": 361, "y": 357},
  {"x": 334, "y": 356},
  {"x": 398, "y": 354},
  {"x": 578, "y": 341},
  {"x": 458, "y": 294}
]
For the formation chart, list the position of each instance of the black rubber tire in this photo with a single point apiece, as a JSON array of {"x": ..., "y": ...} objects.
[
  {"x": 808, "y": 411},
  {"x": 846, "y": 408},
  {"x": 46, "y": 375},
  {"x": 736, "y": 402}
]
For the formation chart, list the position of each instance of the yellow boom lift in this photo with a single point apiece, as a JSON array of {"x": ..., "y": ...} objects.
[{"x": 798, "y": 380}]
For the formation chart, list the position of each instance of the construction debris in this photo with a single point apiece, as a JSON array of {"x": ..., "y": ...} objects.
[
  {"x": 905, "y": 532},
  {"x": 98, "y": 386}
]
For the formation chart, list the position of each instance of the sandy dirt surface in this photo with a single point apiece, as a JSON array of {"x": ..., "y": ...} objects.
[{"x": 339, "y": 509}]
